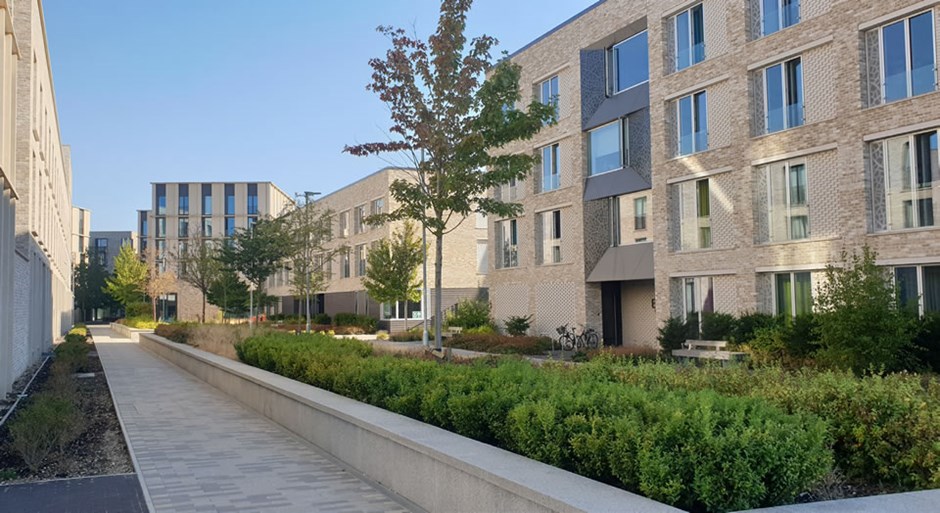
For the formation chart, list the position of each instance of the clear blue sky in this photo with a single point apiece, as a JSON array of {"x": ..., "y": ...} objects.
[{"x": 213, "y": 90}]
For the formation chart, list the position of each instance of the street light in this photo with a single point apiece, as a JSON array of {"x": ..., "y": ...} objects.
[{"x": 307, "y": 199}]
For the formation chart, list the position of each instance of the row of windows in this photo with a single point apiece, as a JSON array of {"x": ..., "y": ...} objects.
[
  {"x": 229, "y": 189},
  {"x": 548, "y": 241},
  {"x": 207, "y": 226},
  {"x": 359, "y": 213}
]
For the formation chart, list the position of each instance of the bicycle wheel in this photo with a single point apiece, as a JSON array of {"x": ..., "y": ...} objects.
[
  {"x": 591, "y": 339},
  {"x": 567, "y": 342}
]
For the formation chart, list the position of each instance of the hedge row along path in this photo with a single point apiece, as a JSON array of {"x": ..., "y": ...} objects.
[{"x": 198, "y": 450}]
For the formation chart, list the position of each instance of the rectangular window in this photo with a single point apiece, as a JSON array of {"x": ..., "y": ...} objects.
[
  {"x": 252, "y": 220},
  {"x": 161, "y": 226},
  {"x": 482, "y": 257},
  {"x": 690, "y": 37},
  {"x": 778, "y": 14},
  {"x": 549, "y": 93},
  {"x": 344, "y": 224},
  {"x": 613, "y": 216},
  {"x": 401, "y": 310},
  {"x": 481, "y": 221},
  {"x": 161, "y": 199},
  {"x": 793, "y": 293},
  {"x": 551, "y": 178},
  {"x": 207, "y": 199},
  {"x": 207, "y": 227},
  {"x": 783, "y": 88},
  {"x": 639, "y": 213},
  {"x": 694, "y": 214},
  {"x": 703, "y": 208},
  {"x": 183, "y": 199},
  {"x": 609, "y": 147},
  {"x": 361, "y": 260},
  {"x": 229, "y": 199},
  {"x": 183, "y": 227},
  {"x": 144, "y": 229},
  {"x": 787, "y": 206},
  {"x": 359, "y": 215},
  {"x": 507, "y": 240},
  {"x": 377, "y": 207},
  {"x": 252, "y": 199},
  {"x": 628, "y": 63},
  {"x": 229, "y": 226},
  {"x": 344, "y": 264},
  {"x": 911, "y": 169},
  {"x": 698, "y": 297},
  {"x": 908, "y": 57},
  {"x": 693, "y": 124},
  {"x": 551, "y": 237},
  {"x": 919, "y": 288}
]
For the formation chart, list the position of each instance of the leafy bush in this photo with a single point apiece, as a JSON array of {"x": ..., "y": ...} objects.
[
  {"x": 674, "y": 333},
  {"x": 694, "y": 449},
  {"x": 748, "y": 324},
  {"x": 47, "y": 423},
  {"x": 177, "y": 332},
  {"x": 518, "y": 326},
  {"x": 364, "y": 322},
  {"x": 407, "y": 336},
  {"x": 381, "y": 335},
  {"x": 321, "y": 318},
  {"x": 73, "y": 353},
  {"x": 134, "y": 310},
  {"x": 140, "y": 323},
  {"x": 927, "y": 343},
  {"x": 486, "y": 329},
  {"x": 469, "y": 313},
  {"x": 79, "y": 329},
  {"x": 501, "y": 344},
  {"x": 718, "y": 326}
]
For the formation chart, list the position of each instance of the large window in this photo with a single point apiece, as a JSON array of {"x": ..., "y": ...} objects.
[
  {"x": 778, "y": 14},
  {"x": 161, "y": 199},
  {"x": 695, "y": 214},
  {"x": 609, "y": 149},
  {"x": 207, "y": 199},
  {"x": 252, "y": 199},
  {"x": 908, "y": 57},
  {"x": 911, "y": 169},
  {"x": 787, "y": 206},
  {"x": 229, "y": 199},
  {"x": 551, "y": 237},
  {"x": 183, "y": 199},
  {"x": 183, "y": 231},
  {"x": 378, "y": 206},
  {"x": 919, "y": 287},
  {"x": 549, "y": 93},
  {"x": 507, "y": 244},
  {"x": 344, "y": 224},
  {"x": 690, "y": 37},
  {"x": 693, "y": 123},
  {"x": 793, "y": 294},
  {"x": 401, "y": 310},
  {"x": 551, "y": 177},
  {"x": 628, "y": 63},
  {"x": 359, "y": 215},
  {"x": 783, "y": 88},
  {"x": 698, "y": 297}
]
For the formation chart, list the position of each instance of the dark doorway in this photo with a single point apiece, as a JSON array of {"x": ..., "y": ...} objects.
[{"x": 612, "y": 313}]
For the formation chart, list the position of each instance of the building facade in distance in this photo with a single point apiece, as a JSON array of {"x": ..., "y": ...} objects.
[
  {"x": 105, "y": 246},
  {"x": 81, "y": 231}
]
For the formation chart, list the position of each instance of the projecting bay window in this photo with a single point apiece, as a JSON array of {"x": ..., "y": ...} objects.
[
  {"x": 628, "y": 64},
  {"x": 777, "y": 15},
  {"x": 690, "y": 37},
  {"x": 793, "y": 294},
  {"x": 910, "y": 179},
  {"x": 906, "y": 57},
  {"x": 550, "y": 224},
  {"x": 609, "y": 147},
  {"x": 507, "y": 244},
  {"x": 783, "y": 93},
  {"x": 919, "y": 288},
  {"x": 551, "y": 176},
  {"x": 549, "y": 93},
  {"x": 695, "y": 214},
  {"x": 787, "y": 201},
  {"x": 693, "y": 123}
]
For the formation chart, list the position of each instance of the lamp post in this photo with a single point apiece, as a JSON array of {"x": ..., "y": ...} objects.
[
  {"x": 424, "y": 285},
  {"x": 307, "y": 199}
]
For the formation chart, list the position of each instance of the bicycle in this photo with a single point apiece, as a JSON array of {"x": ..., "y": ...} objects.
[
  {"x": 569, "y": 339},
  {"x": 566, "y": 338}
]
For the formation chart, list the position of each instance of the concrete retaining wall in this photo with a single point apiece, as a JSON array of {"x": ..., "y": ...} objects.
[
  {"x": 435, "y": 469},
  {"x": 126, "y": 332}
]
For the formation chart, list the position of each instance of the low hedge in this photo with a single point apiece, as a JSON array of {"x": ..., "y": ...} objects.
[
  {"x": 885, "y": 430},
  {"x": 142, "y": 323},
  {"x": 500, "y": 344},
  {"x": 697, "y": 450},
  {"x": 364, "y": 322}
]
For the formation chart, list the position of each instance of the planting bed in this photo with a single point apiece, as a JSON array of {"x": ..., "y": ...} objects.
[{"x": 99, "y": 449}]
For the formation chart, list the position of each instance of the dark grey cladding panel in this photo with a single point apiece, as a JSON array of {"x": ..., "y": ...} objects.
[
  {"x": 593, "y": 82},
  {"x": 615, "y": 183},
  {"x": 619, "y": 105},
  {"x": 641, "y": 159}
]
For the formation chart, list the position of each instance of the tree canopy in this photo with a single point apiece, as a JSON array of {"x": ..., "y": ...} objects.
[
  {"x": 392, "y": 267},
  {"x": 128, "y": 283}
]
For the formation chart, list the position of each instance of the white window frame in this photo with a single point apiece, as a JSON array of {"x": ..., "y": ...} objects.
[
  {"x": 912, "y": 141},
  {"x": 612, "y": 70},
  {"x": 906, "y": 20},
  {"x": 553, "y": 151},
  {"x": 695, "y": 148},
  {"x": 623, "y": 138},
  {"x": 787, "y": 169},
  {"x": 675, "y": 25},
  {"x": 787, "y": 123},
  {"x": 552, "y": 233},
  {"x": 395, "y": 316},
  {"x": 553, "y": 100},
  {"x": 775, "y": 292}
]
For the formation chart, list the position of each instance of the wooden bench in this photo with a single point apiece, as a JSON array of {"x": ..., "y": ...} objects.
[
  {"x": 707, "y": 350},
  {"x": 452, "y": 332}
]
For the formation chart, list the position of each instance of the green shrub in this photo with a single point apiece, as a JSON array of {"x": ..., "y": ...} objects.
[
  {"x": 363, "y": 322},
  {"x": 140, "y": 323},
  {"x": 674, "y": 333},
  {"x": 179, "y": 332},
  {"x": 927, "y": 343},
  {"x": 517, "y": 325},
  {"x": 469, "y": 313},
  {"x": 500, "y": 344},
  {"x": 749, "y": 323},
  {"x": 135, "y": 310},
  {"x": 73, "y": 353},
  {"x": 718, "y": 326},
  {"x": 80, "y": 330},
  {"x": 47, "y": 423},
  {"x": 321, "y": 318},
  {"x": 486, "y": 329},
  {"x": 407, "y": 336},
  {"x": 694, "y": 449}
]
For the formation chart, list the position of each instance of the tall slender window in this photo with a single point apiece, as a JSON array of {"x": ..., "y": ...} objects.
[
  {"x": 693, "y": 124},
  {"x": 911, "y": 169},
  {"x": 778, "y": 14},
  {"x": 507, "y": 240},
  {"x": 183, "y": 231},
  {"x": 207, "y": 199},
  {"x": 698, "y": 297},
  {"x": 229, "y": 226},
  {"x": 229, "y": 199},
  {"x": 703, "y": 208},
  {"x": 694, "y": 214},
  {"x": 613, "y": 215},
  {"x": 628, "y": 63},
  {"x": 252, "y": 199},
  {"x": 183, "y": 189},
  {"x": 551, "y": 237},
  {"x": 639, "y": 213},
  {"x": 549, "y": 93},
  {"x": 794, "y": 293},
  {"x": 783, "y": 85},
  {"x": 550, "y": 174},
  {"x": 161, "y": 199},
  {"x": 908, "y": 57},
  {"x": 690, "y": 37},
  {"x": 207, "y": 227},
  {"x": 161, "y": 226},
  {"x": 787, "y": 201}
]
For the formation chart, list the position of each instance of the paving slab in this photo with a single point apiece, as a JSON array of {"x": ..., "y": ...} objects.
[
  {"x": 103, "y": 494},
  {"x": 198, "y": 450}
]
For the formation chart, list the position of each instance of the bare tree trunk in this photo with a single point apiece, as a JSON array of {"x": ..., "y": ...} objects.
[
  {"x": 438, "y": 265},
  {"x": 153, "y": 302},
  {"x": 203, "y": 307}
]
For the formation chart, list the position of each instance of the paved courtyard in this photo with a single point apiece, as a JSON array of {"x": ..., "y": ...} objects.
[{"x": 200, "y": 451}]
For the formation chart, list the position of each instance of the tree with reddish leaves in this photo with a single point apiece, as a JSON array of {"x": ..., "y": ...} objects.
[{"x": 453, "y": 112}]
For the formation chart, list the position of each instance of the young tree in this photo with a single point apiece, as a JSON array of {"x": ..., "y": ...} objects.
[
  {"x": 258, "y": 252},
  {"x": 90, "y": 282},
  {"x": 229, "y": 293},
  {"x": 392, "y": 267},
  {"x": 451, "y": 126},
  {"x": 859, "y": 322},
  {"x": 160, "y": 280},
  {"x": 128, "y": 283},
  {"x": 200, "y": 267}
]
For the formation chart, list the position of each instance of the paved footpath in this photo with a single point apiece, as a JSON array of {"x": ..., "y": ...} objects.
[{"x": 200, "y": 451}]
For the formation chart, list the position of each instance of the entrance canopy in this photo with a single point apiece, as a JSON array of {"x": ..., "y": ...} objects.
[{"x": 625, "y": 263}]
